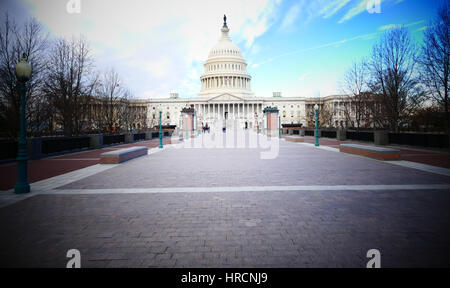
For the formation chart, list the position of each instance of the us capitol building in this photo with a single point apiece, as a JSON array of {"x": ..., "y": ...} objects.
[{"x": 226, "y": 94}]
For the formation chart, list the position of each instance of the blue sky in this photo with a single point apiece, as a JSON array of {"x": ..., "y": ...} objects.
[{"x": 300, "y": 48}]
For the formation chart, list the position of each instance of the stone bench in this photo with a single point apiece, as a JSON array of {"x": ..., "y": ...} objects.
[
  {"x": 381, "y": 153},
  {"x": 294, "y": 138},
  {"x": 122, "y": 155}
]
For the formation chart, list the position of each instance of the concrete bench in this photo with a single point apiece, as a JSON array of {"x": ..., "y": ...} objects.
[
  {"x": 122, "y": 155},
  {"x": 294, "y": 138},
  {"x": 381, "y": 153}
]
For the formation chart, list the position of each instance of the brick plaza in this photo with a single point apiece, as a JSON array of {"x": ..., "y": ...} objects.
[{"x": 226, "y": 207}]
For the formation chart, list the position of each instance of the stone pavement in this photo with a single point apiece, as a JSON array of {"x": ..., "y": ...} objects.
[
  {"x": 57, "y": 165},
  {"x": 418, "y": 154},
  {"x": 227, "y": 207}
]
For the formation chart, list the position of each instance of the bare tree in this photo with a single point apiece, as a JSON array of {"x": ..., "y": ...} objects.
[
  {"x": 126, "y": 111},
  {"x": 325, "y": 114},
  {"x": 393, "y": 77},
  {"x": 69, "y": 82},
  {"x": 434, "y": 61},
  {"x": 355, "y": 89},
  {"x": 14, "y": 41},
  {"x": 111, "y": 93}
]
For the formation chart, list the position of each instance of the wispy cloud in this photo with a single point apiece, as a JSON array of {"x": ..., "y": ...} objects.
[
  {"x": 387, "y": 27},
  {"x": 290, "y": 17},
  {"x": 422, "y": 28},
  {"x": 257, "y": 23},
  {"x": 304, "y": 76},
  {"x": 332, "y": 8},
  {"x": 390, "y": 26},
  {"x": 356, "y": 10},
  {"x": 362, "y": 6},
  {"x": 330, "y": 44}
]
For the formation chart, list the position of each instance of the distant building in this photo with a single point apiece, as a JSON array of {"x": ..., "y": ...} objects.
[{"x": 226, "y": 94}]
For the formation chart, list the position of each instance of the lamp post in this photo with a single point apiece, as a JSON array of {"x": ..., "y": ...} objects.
[
  {"x": 23, "y": 73},
  {"x": 160, "y": 130},
  {"x": 279, "y": 127},
  {"x": 316, "y": 109}
]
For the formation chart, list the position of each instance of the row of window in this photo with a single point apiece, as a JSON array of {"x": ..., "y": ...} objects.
[
  {"x": 167, "y": 115},
  {"x": 224, "y": 66},
  {"x": 292, "y": 113},
  {"x": 225, "y": 51}
]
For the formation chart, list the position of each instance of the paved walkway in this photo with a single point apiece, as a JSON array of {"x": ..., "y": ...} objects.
[
  {"x": 227, "y": 207},
  {"x": 53, "y": 166},
  {"x": 419, "y": 155}
]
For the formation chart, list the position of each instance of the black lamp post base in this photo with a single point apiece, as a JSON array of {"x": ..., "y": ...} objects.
[{"x": 22, "y": 188}]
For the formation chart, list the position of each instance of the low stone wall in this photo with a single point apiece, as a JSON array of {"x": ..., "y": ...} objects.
[
  {"x": 380, "y": 153},
  {"x": 122, "y": 155}
]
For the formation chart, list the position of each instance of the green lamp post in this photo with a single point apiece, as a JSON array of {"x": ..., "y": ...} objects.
[
  {"x": 279, "y": 127},
  {"x": 160, "y": 130},
  {"x": 316, "y": 109},
  {"x": 23, "y": 73}
]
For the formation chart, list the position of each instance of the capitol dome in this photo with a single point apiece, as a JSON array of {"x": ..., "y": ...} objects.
[{"x": 225, "y": 70}]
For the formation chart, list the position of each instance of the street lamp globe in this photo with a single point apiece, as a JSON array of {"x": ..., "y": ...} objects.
[
  {"x": 316, "y": 107},
  {"x": 23, "y": 69}
]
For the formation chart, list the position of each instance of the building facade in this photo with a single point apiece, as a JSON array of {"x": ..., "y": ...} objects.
[{"x": 226, "y": 94}]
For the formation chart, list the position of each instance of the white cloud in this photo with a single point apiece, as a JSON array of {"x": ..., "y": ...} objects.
[
  {"x": 333, "y": 7},
  {"x": 290, "y": 17},
  {"x": 356, "y": 10},
  {"x": 362, "y": 7},
  {"x": 329, "y": 44},
  {"x": 158, "y": 68},
  {"x": 157, "y": 44},
  {"x": 304, "y": 76},
  {"x": 391, "y": 26}
]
